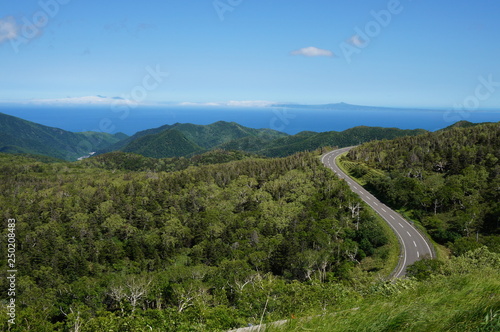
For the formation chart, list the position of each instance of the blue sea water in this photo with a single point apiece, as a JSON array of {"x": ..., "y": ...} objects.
[{"x": 289, "y": 120}]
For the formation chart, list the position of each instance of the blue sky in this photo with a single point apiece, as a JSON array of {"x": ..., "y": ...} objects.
[{"x": 419, "y": 53}]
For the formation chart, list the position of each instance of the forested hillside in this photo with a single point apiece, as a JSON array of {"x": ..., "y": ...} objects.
[
  {"x": 449, "y": 180},
  {"x": 21, "y": 136},
  {"x": 162, "y": 142},
  {"x": 135, "y": 162},
  {"x": 169, "y": 143},
  {"x": 207, "y": 248},
  {"x": 187, "y": 139},
  {"x": 178, "y": 140},
  {"x": 308, "y": 141}
]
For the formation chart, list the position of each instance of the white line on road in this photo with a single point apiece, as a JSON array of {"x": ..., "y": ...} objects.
[
  {"x": 408, "y": 233},
  {"x": 368, "y": 197},
  {"x": 401, "y": 225},
  {"x": 331, "y": 157},
  {"x": 418, "y": 254}
]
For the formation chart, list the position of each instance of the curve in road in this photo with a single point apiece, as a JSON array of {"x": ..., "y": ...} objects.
[{"x": 414, "y": 245}]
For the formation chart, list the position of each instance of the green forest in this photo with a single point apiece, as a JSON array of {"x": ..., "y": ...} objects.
[
  {"x": 448, "y": 180},
  {"x": 208, "y": 247}
]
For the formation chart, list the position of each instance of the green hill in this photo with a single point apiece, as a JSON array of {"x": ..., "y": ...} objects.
[
  {"x": 232, "y": 136},
  {"x": 160, "y": 142},
  {"x": 221, "y": 132},
  {"x": 312, "y": 141},
  {"x": 461, "y": 124},
  {"x": 169, "y": 143},
  {"x": 249, "y": 144},
  {"x": 448, "y": 180},
  {"x": 21, "y": 136}
]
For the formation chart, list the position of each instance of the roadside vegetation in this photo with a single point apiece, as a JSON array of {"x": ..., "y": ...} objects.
[
  {"x": 461, "y": 294},
  {"x": 448, "y": 181}
]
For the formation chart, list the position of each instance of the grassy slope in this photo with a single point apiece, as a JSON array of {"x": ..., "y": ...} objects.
[{"x": 469, "y": 302}]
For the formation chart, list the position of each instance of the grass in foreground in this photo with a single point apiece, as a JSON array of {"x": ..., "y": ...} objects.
[{"x": 463, "y": 296}]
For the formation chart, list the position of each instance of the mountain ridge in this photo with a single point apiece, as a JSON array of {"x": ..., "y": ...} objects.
[
  {"x": 233, "y": 136},
  {"x": 21, "y": 136}
]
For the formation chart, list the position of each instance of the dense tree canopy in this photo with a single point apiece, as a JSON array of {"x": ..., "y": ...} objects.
[
  {"x": 449, "y": 180},
  {"x": 214, "y": 246}
]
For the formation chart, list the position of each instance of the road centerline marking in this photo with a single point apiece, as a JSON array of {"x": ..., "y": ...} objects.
[{"x": 332, "y": 158}]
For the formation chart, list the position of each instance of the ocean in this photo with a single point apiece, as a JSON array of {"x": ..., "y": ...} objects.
[{"x": 290, "y": 120}]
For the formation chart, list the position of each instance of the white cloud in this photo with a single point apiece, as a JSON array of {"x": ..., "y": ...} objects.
[
  {"x": 232, "y": 103},
  {"x": 88, "y": 100},
  {"x": 250, "y": 103},
  {"x": 8, "y": 28},
  {"x": 313, "y": 51},
  {"x": 188, "y": 103},
  {"x": 357, "y": 41}
]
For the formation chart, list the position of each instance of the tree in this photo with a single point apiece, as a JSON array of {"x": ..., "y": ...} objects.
[{"x": 424, "y": 268}]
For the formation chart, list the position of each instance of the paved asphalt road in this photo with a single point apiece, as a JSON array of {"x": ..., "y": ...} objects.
[{"x": 415, "y": 246}]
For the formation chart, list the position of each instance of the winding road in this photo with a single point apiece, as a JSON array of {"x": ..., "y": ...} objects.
[{"x": 414, "y": 245}]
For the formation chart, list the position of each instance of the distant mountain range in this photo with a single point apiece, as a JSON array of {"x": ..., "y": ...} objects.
[
  {"x": 335, "y": 107},
  {"x": 181, "y": 139}
]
